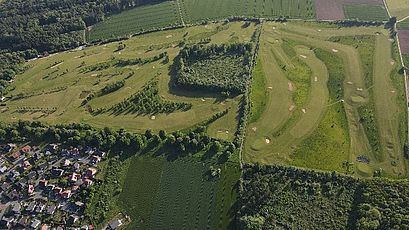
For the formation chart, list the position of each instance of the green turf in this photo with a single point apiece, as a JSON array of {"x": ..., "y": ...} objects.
[
  {"x": 366, "y": 12},
  {"x": 403, "y": 24}
]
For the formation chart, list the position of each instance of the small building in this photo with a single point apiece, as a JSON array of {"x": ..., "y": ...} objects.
[
  {"x": 87, "y": 182},
  {"x": 91, "y": 172},
  {"x": 30, "y": 189},
  {"x": 26, "y": 149},
  {"x": 51, "y": 209},
  {"x": 35, "y": 223},
  {"x": 72, "y": 219},
  {"x": 7, "y": 221},
  {"x": 16, "y": 209},
  {"x": 115, "y": 224},
  {"x": 66, "y": 163},
  {"x": 31, "y": 207},
  {"x": 44, "y": 227},
  {"x": 66, "y": 194},
  {"x": 43, "y": 183},
  {"x": 95, "y": 160},
  {"x": 74, "y": 177},
  {"x": 40, "y": 208},
  {"x": 57, "y": 172}
]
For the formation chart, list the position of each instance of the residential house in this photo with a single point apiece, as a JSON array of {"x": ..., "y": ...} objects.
[
  {"x": 87, "y": 182},
  {"x": 31, "y": 207},
  {"x": 57, "y": 172},
  {"x": 115, "y": 224},
  {"x": 91, "y": 172},
  {"x": 16, "y": 208},
  {"x": 51, "y": 209},
  {"x": 35, "y": 223},
  {"x": 66, "y": 194},
  {"x": 74, "y": 177},
  {"x": 26, "y": 149},
  {"x": 7, "y": 221},
  {"x": 95, "y": 159}
]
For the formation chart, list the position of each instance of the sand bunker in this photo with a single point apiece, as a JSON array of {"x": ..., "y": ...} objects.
[
  {"x": 269, "y": 87},
  {"x": 303, "y": 56},
  {"x": 335, "y": 50},
  {"x": 304, "y": 111},
  {"x": 392, "y": 63},
  {"x": 315, "y": 79},
  {"x": 203, "y": 99},
  {"x": 268, "y": 141},
  {"x": 94, "y": 75},
  {"x": 290, "y": 86},
  {"x": 319, "y": 30},
  {"x": 153, "y": 118},
  {"x": 254, "y": 129},
  {"x": 359, "y": 89},
  {"x": 169, "y": 36},
  {"x": 291, "y": 108},
  {"x": 349, "y": 83}
]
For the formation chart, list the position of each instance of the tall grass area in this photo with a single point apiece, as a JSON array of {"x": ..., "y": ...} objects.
[
  {"x": 137, "y": 20},
  {"x": 328, "y": 146},
  {"x": 258, "y": 95}
]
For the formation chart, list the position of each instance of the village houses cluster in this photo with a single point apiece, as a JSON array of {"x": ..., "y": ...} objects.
[{"x": 45, "y": 187}]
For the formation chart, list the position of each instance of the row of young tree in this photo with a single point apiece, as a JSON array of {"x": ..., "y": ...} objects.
[{"x": 145, "y": 102}]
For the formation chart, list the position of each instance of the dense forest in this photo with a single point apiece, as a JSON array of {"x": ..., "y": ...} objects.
[
  {"x": 30, "y": 27},
  {"x": 277, "y": 197},
  {"x": 222, "y": 68}
]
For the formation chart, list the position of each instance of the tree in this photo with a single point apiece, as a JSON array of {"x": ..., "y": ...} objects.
[{"x": 252, "y": 222}]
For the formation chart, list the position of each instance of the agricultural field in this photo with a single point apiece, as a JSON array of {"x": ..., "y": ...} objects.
[
  {"x": 324, "y": 95},
  {"x": 404, "y": 40},
  {"x": 177, "y": 194},
  {"x": 106, "y": 84},
  {"x": 136, "y": 20},
  {"x": 366, "y": 10},
  {"x": 398, "y": 8},
  {"x": 197, "y": 11}
]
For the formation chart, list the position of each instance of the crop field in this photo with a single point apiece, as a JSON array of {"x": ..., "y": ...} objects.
[
  {"x": 196, "y": 11},
  {"x": 324, "y": 103},
  {"x": 136, "y": 20},
  {"x": 371, "y": 10},
  {"x": 398, "y": 8},
  {"x": 404, "y": 41},
  {"x": 177, "y": 195},
  {"x": 366, "y": 12},
  {"x": 66, "y": 87}
]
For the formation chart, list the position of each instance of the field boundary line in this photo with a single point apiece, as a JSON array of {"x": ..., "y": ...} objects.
[
  {"x": 180, "y": 13},
  {"x": 403, "y": 19},
  {"x": 387, "y": 8}
]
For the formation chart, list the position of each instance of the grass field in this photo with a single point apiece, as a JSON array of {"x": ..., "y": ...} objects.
[
  {"x": 136, "y": 20},
  {"x": 403, "y": 24},
  {"x": 177, "y": 195},
  {"x": 398, "y": 8},
  {"x": 53, "y": 89},
  {"x": 328, "y": 129},
  {"x": 366, "y": 12}
]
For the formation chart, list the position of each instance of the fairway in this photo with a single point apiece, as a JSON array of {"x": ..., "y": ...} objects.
[
  {"x": 327, "y": 129},
  {"x": 65, "y": 87}
]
